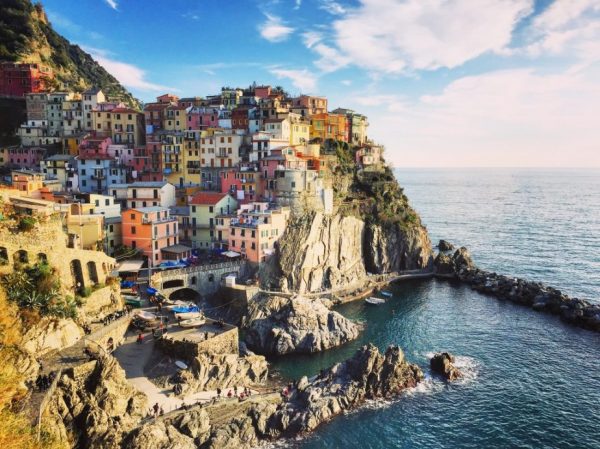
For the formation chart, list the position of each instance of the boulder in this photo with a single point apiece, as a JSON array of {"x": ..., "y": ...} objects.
[
  {"x": 278, "y": 325},
  {"x": 444, "y": 245},
  {"x": 443, "y": 363}
]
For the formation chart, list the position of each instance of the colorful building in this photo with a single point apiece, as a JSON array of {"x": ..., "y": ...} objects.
[
  {"x": 255, "y": 230},
  {"x": 204, "y": 208},
  {"x": 314, "y": 105},
  {"x": 27, "y": 182},
  {"x": 144, "y": 194},
  {"x": 26, "y": 157},
  {"x": 150, "y": 230},
  {"x": 19, "y": 79},
  {"x": 61, "y": 167}
]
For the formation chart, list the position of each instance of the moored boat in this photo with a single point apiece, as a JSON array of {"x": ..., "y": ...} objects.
[
  {"x": 146, "y": 316},
  {"x": 188, "y": 315},
  {"x": 386, "y": 293},
  {"x": 374, "y": 301},
  {"x": 193, "y": 322},
  {"x": 132, "y": 300}
]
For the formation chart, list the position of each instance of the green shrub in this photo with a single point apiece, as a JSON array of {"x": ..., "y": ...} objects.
[{"x": 26, "y": 224}]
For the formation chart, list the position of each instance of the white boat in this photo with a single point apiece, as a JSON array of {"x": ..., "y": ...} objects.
[
  {"x": 178, "y": 303},
  {"x": 386, "y": 293},
  {"x": 181, "y": 364},
  {"x": 188, "y": 315},
  {"x": 193, "y": 322},
  {"x": 375, "y": 301},
  {"x": 146, "y": 316}
]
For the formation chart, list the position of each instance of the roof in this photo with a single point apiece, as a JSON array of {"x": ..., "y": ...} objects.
[
  {"x": 92, "y": 91},
  {"x": 176, "y": 249},
  {"x": 129, "y": 266},
  {"x": 142, "y": 184},
  {"x": 274, "y": 120},
  {"x": 146, "y": 210},
  {"x": 117, "y": 110},
  {"x": 180, "y": 210},
  {"x": 208, "y": 198},
  {"x": 59, "y": 157},
  {"x": 113, "y": 220}
]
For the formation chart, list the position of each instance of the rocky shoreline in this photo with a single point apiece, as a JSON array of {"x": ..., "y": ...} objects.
[{"x": 459, "y": 266}]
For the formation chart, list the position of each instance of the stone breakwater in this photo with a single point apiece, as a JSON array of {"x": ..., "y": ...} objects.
[{"x": 460, "y": 266}]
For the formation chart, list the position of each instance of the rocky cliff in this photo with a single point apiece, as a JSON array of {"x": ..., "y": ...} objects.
[
  {"x": 94, "y": 405},
  {"x": 367, "y": 375},
  {"x": 278, "y": 325},
  {"x": 27, "y": 36}
]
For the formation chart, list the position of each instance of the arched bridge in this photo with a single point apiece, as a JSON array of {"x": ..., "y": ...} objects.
[{"x": 205, "y": 279}]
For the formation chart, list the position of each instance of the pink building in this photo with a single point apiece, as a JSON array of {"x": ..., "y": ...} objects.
[
  {"x": 26, "y": 157},
  {"x": 262, "y": 91},
  {"x": 95, "y": 146}
]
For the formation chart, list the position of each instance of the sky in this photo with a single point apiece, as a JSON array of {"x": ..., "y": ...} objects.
[{"x": 445, "y": 83}]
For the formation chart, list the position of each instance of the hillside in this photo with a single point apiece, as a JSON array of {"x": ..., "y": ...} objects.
[{"x": 27, "y": 36}]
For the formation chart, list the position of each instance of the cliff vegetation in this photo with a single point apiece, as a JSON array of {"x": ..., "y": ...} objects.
[{"x": 26, "y": 35}]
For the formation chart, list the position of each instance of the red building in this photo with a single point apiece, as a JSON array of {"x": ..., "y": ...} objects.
[
  {"x": 239, "y": 118},
  {"x": 16, "y": 79}
]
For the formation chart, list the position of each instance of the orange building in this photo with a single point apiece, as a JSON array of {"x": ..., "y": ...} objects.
[
  {"x": 28, "y": 182},
  {"x": 152, "y": 231},
  {"x": 329, "y": 126}
]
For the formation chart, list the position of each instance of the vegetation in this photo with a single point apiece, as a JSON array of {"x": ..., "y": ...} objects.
[
  {"x": 36, "y": 289},
  {"x": 27, "y": 224},
  {"x": 15, "y": 429},
  {"x": 26, "y": 35}
]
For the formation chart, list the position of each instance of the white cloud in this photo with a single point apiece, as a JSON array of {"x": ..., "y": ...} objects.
[
  {"x": 303, "y": 80},
  {"x": 297, "y": 4},
  {"x": 346, "y": 82},
  {"x": 566, "y": 27},
  {"x": 332, "y": 7},
  {"x": 112, "y": 3},
  {"x": 388, "y": 36},
  {"x": 504, "y": 118},
  {"x": 310, "y": 38},
  {"x": 129, "y": 75},
  {"x": 274, "y": 30}
]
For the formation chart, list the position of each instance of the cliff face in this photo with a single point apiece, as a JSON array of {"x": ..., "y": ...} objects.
[{"x": 27, "y": 36}]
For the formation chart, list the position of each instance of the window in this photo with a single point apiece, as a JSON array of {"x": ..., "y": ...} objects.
[
  {"x": 133, "y": 229},
  {"x": 155, "y": 244},
  {"x": 107, "y": 202},
  {"x": 210, "y": 209},
  {"x": 193, "y": 208},
  {"x": 132, "y": 216},
  {"x": 156, "y": 256},
  {"x": 232, "y": 231},
  {"x": 133, "y": 244},
  {"x": 110, "y": 228},
  {"x": 133, "y": 204}
]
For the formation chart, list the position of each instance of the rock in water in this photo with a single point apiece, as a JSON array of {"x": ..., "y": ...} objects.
[
  {"x": 444, "y": 245},
  {"x": 453, "y": 266},
  {"x": 278, "y": 325},
  {"x": 443, "y": 363}
]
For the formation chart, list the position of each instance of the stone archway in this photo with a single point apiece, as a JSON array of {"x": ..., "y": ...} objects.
[
  {"x": 186, "y": 294},
  {"x": 77, "y": 273},
  {"x": 92, "y": 273},
  {"x": 21, "y": 257},
  {"x": 42, "y": 258}
]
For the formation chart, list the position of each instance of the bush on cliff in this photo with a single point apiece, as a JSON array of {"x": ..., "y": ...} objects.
[{"x": 15, "y": 429}]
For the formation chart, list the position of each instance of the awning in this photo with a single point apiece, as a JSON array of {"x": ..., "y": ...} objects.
[
  {"x": 176, "y": 249},
  {"x": 231, "y": 254},
  {"x": 129, "y": 266}
]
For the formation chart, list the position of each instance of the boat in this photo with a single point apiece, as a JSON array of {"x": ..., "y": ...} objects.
[
  {"x": 386, "y": 293},
  {"x": 146, "y": 316},
  {"x": 178, "y": 304},
  {"x": 193, "y": 322},
  {"x": 375, "y": 301},
  {"x": 133, "y": 300},
  {"x": 181, "y": 365},
  {"x": 185, "y": 309},
  {"x": 188, "y": 315}
]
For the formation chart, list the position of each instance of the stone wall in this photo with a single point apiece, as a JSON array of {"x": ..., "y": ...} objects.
[
  {"x": 226, "y": 342},
  {"x": 109, "y": 336},
  {"x": 48, "y": 241},
  {"x": 102, "y": 302}
]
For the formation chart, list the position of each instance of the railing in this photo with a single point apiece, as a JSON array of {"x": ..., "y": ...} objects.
[{"x": 193, "y": 269}]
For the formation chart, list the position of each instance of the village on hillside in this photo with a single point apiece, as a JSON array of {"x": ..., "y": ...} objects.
[{"x": 186, "y": 179}]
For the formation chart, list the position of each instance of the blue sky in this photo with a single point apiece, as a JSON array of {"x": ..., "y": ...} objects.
[{"x": 444, "y": 82}]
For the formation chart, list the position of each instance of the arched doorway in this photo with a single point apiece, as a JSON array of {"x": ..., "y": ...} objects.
[
  {"x": 92, "y": 273},
  {"x": 42, "y": 258},
  {"x": 186, "y": 294},
  {"x": 20, "y": 258},
  {"x": 77, "y": 273}
]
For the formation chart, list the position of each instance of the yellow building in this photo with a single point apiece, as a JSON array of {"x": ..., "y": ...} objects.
[
  {"x": 173, "y": 156},
  {"x": 123, "y": 125},
  {"x": 87, "y": 230},
  {"x": 192, "y": 158},
  {"x": 175, "y": 118},
  {"x": 28, "y": 182}
]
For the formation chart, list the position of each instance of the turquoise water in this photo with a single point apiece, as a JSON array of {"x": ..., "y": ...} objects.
[{"x": 531, "y": 381}]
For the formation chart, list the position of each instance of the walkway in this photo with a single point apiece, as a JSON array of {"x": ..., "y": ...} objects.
[{"x": 133, "y": 356}]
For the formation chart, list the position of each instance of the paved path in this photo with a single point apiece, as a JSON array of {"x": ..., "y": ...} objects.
[{"x": 133, "y": 356}]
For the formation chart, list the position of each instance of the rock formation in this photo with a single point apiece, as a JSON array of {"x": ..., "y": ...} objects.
[
  {"x": 536, "y": 295},
  {"x": 367, "y": 375},
  {"x": 212, "y": 371},
  {"x": 279, "y": 325},
  {"x": 443, "y": 363},
  {"x": 94, "y": 405},
  {"x": 51, "y": 334},
  {"x": 444, "y": 245}
]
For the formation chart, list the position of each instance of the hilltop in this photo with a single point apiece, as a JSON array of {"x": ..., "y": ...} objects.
[{"x": 26, "y": 35}]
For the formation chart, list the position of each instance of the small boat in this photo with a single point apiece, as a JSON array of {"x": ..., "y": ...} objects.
[
  {"x": 193, "y": 322},
  {"x": 181, "y": 365},
  {"x": 133, "y": 300},
  {"x": 185, "y": 309},
  {"x": 188, "y": 315},
  {"x": 375, "y": 301},
  {"x": 178, "y": 303},
  {"x": 146, "y": 316},
  {"x": 386, "y": 293}
]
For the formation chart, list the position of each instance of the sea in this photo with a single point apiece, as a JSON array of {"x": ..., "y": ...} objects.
[{"x": 530, "y": 380}]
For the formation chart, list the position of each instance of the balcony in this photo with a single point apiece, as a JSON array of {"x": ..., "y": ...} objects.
[
  {"x": 193, "y": 170},
  {"x": 98, "y": 176}
]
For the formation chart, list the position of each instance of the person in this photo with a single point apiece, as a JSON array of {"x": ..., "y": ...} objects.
[
  {"x": 229, "y": 394},
  {"x": 206, "y": 335},
  {"x": 140, "y": 338},
  {"x": 156, "y": 407},
  {"x": 235, "y": 390},
  {"x": 218, "y": 392},
  {"x": 162, "y": 412}
]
